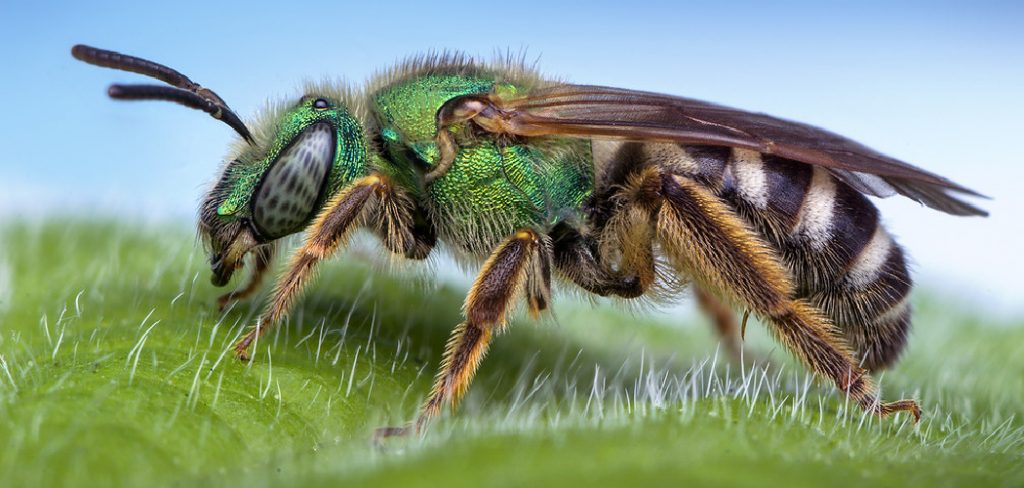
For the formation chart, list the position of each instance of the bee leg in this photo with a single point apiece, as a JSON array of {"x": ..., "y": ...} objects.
[
  {"x": 404, "y": 228},
  {"x": 538, "y": 277},
  {"x": 630, "y": 231},
  {"x": 264, "y": 256},
  {"x": 703, "y": 237},
  {"x": 627, "y": 236},
  {"x": 516, "y": 267},
  {"x": 575, "y": 256},
  {"x": 723, "y": 322},
  {"x": 329, "y": 231}
]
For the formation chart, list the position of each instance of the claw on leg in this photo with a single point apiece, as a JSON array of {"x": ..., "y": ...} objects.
[
  {"x": 241, "y": 294},
  {"x": 383, "y": 433},
  {"x": 242, "y": 347},
  {"x": 909, "y": 406}
]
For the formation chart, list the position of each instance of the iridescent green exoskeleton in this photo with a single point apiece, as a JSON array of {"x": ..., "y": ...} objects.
[{"x": 619, "y": 192}]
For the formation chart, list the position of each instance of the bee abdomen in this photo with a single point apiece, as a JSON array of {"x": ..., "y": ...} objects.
[
  {"x": 818, "y": 224},
  {"x": 829, "y": 236},
  {"x": 870, "y": 303},
  {"x": 848, "y": 265}
]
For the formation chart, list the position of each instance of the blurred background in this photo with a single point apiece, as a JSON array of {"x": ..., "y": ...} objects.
[{"x": 937, "y": 84}]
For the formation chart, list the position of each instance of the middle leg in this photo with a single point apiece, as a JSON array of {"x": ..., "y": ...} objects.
[
  {"x": 577, "y": 258},
  {"x": 518, "y": 267}
]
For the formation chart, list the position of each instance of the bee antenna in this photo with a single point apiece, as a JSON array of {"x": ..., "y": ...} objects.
[
  {"x": 182, "y": 90},
  {"x": 184, "y": 97}
]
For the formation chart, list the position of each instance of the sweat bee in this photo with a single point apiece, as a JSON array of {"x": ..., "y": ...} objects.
[{"x": 610, "y": 190}]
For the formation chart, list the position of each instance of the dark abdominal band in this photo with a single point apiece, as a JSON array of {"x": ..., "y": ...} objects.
[{"x": 829, "y": 235}]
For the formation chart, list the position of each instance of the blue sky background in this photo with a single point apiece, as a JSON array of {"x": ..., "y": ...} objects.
[{"x": 938, "y": 84}]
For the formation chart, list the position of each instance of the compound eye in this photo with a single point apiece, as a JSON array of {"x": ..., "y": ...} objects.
[{"x": 321, "y": 104}]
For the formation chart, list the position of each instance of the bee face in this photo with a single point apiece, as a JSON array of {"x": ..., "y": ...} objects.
[
  {"x": 272, "y": 188},
  {"x": 227, "y": 243}
]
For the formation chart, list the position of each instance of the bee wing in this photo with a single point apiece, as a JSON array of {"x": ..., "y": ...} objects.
[{"x": 601, "y": 112}]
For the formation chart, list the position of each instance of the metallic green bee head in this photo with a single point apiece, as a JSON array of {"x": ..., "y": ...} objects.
[
  {"x": 279, "y": 175},
  {"x": 301, "y": 153}
]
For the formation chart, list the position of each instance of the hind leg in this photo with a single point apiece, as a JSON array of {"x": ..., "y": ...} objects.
[
  {"x": 723, "y": 322},
  {"x": 704, "y": 238}
]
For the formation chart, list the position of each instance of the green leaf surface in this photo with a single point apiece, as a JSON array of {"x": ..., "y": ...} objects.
[{"x": 115, "y": 370}]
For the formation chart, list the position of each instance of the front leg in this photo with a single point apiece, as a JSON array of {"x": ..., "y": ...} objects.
[
  {"x": 519, "y": 266},
  {"x": 263, "y": 256},
  {"x": 349, "y": 209}
]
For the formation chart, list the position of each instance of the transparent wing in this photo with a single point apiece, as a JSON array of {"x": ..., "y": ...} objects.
[{"x": 601, "y": 112}]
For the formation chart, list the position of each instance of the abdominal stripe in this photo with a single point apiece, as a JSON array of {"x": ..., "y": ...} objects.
[{"x": 830, "y": 237}]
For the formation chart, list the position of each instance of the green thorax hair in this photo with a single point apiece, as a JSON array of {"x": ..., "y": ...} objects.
[{"x": 494, "y": 186}]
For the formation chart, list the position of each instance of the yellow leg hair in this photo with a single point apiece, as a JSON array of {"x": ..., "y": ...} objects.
[
  {"x": 343, "y": 213},
  {"x": 704, "y": 238},
  {"x": 510, "y": 272}
]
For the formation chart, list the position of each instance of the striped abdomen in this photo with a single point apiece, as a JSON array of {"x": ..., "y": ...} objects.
[{"x": 829, "y": 235}]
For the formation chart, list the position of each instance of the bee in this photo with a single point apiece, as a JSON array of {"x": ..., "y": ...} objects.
[{"x": 619, "y": 192}]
